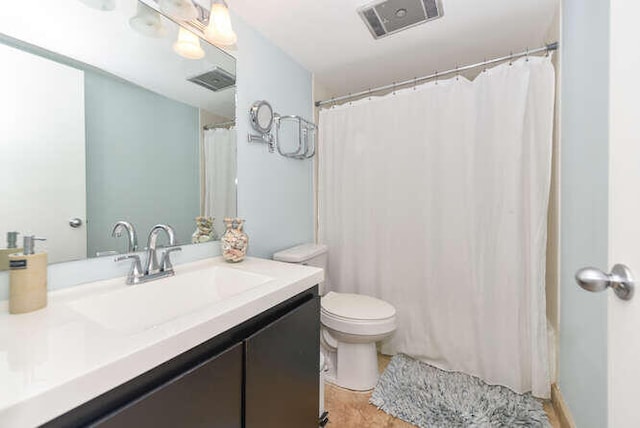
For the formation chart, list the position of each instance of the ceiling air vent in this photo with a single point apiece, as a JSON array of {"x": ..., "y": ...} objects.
[
  {"x": 215, "y": 79},
  {"x": 387, "y": 17}
]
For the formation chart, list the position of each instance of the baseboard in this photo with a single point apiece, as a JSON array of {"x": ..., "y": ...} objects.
[{"x": 561, "y": 408}]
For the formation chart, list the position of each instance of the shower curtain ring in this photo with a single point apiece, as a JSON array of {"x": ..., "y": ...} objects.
[
  {"x": 457, "y": 73},
  {"x": 369, "y": 94},
  {"x": 415, "y": 82},
  {"x": 527, "y": 55},
  {"x": 510, "y": 58},
  {"x": 436, "y": 77},
  {"x": 484, "y": 70},
  {"x": 394, "y": 88}
]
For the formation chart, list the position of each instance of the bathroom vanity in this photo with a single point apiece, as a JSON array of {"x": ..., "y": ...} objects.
[{"x": 217, "y": 345}]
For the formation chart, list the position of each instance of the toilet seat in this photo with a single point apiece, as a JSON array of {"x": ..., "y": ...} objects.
[
  {"x": 357, "y": 314},
  {"x": 356, "y": 306}
]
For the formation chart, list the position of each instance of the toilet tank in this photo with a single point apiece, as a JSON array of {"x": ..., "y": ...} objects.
[{"x": 305, "y": 254}]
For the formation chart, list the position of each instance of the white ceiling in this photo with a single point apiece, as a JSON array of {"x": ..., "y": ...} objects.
[{"x": 329, "y": 38}]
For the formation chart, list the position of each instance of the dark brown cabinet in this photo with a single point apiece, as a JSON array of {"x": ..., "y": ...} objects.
[
  {"x": 263, "y": 373},
  {"x": 281, "y": 371},
  {"x": 209, "y": 395}
]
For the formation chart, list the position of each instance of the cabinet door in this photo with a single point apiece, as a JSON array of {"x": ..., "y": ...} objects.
[
  {"x": 209, "y": 395},
  {"x": 282, "y": 375}
]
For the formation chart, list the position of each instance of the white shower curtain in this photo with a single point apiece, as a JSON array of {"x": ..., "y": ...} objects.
[
  {"x": 435, "y": 200},
  {"x": 220, "y": 175}
]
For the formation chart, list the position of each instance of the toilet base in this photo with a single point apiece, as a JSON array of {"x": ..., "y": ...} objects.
[{"x": 353, "y": 365}]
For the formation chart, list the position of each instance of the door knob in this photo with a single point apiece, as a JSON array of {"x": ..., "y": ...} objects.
[
  {"x": 620, "y": 280},
  {"x": 75, "y": 222}
]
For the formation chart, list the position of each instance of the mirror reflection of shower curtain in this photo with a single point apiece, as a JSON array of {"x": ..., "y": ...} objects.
[
  {"x": 435, "y": 200},
  {"x": 220, "y": 175}
]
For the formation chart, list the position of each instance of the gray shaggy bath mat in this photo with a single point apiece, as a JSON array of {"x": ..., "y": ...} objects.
[{"x": 431, "y": 398}]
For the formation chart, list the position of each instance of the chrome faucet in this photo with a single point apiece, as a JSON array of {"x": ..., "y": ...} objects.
[
  {"x": 151, "y": 265},
  {"x": 151, "y": 269},
  {"x": 116, "y": 232}
]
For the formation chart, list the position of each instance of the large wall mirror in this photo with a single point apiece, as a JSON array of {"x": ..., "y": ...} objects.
[{"x": 102, "y": 120}]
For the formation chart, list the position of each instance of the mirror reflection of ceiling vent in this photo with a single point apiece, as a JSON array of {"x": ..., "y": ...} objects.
[
  {"x": 391, "y": 16},
  {"x": 215, "y": 79}
]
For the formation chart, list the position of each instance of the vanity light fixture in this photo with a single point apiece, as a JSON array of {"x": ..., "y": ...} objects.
[
  {"x": 147, "y": 21},
  {"x": 105, "y": 5},
  {"x": 219, "y": 30},
  {"x": 183, "y": 10},
  {"x": 188, "y": 45}
]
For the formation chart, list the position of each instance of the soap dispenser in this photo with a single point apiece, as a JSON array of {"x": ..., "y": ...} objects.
[
  {"x": 12, "y": 238},
  {"x": 27, "y": 278}
]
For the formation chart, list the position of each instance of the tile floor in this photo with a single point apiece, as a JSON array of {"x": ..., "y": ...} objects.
[{"x": 351, "y": 409}]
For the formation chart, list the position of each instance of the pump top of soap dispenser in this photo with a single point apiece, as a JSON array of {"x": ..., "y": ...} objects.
[
  {"x": 12, "y": 238},
  {"x": 29, "y": 243}
]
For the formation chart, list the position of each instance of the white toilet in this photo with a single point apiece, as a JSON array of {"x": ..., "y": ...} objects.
[{"x": 351, "y": 325}]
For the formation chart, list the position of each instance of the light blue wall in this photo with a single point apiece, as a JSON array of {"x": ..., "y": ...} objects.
[
  {"x": 584, "y": 208},
  {"x": 142, "y": 161},
  {"x": 275, "y": 193}
]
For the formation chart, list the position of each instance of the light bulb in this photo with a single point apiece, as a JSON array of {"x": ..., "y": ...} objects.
[
  {"x": 183, "y": 10},
  {"x": 105, "y": 5},
  {"x": 188, "y": 45},
  {"x": 147, "y": 21},
  {"x": 219, "y": 30}
]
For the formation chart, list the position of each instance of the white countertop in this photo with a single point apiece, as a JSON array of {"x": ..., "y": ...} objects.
[{"x": 55, "y": 359}]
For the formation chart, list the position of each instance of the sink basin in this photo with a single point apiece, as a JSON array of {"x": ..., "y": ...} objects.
[{"x": 140, "y": 307}]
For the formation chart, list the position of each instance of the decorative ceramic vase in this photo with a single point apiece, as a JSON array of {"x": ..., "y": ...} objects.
[
  {"x": 234, "y": 241},
  {"x": 204, "y": 230}
]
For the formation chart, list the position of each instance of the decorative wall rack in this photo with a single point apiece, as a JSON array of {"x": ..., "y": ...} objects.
[{"x": 273, "y": 129}]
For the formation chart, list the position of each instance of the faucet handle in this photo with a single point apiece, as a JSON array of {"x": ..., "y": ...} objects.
[
  {"x": 165, "y": 262},
  {"x": 136, "y": 267},
  {"x": 126, "y": 257},
  {"x": 106, "y": 253}
]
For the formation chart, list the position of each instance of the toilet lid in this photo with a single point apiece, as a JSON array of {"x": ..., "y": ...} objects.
[
  {"x": 356, "y": 306},
  {"x": 300, "y": 254}
]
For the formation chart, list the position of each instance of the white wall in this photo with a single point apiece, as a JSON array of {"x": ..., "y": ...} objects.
[
  {"x": 275, "y": 194},
  {"x": 552, "y": 274},
  {"x": 624, "y": 212}
]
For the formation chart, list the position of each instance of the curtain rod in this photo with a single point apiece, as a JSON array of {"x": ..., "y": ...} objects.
[
  {"x": 547, "y": 48},
  {"x": 219, "y": 125}
]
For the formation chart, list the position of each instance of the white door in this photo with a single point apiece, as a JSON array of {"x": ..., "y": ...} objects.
[
  {"x": 42, "y": 152},
  {"x": 624, "y": 212}
]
